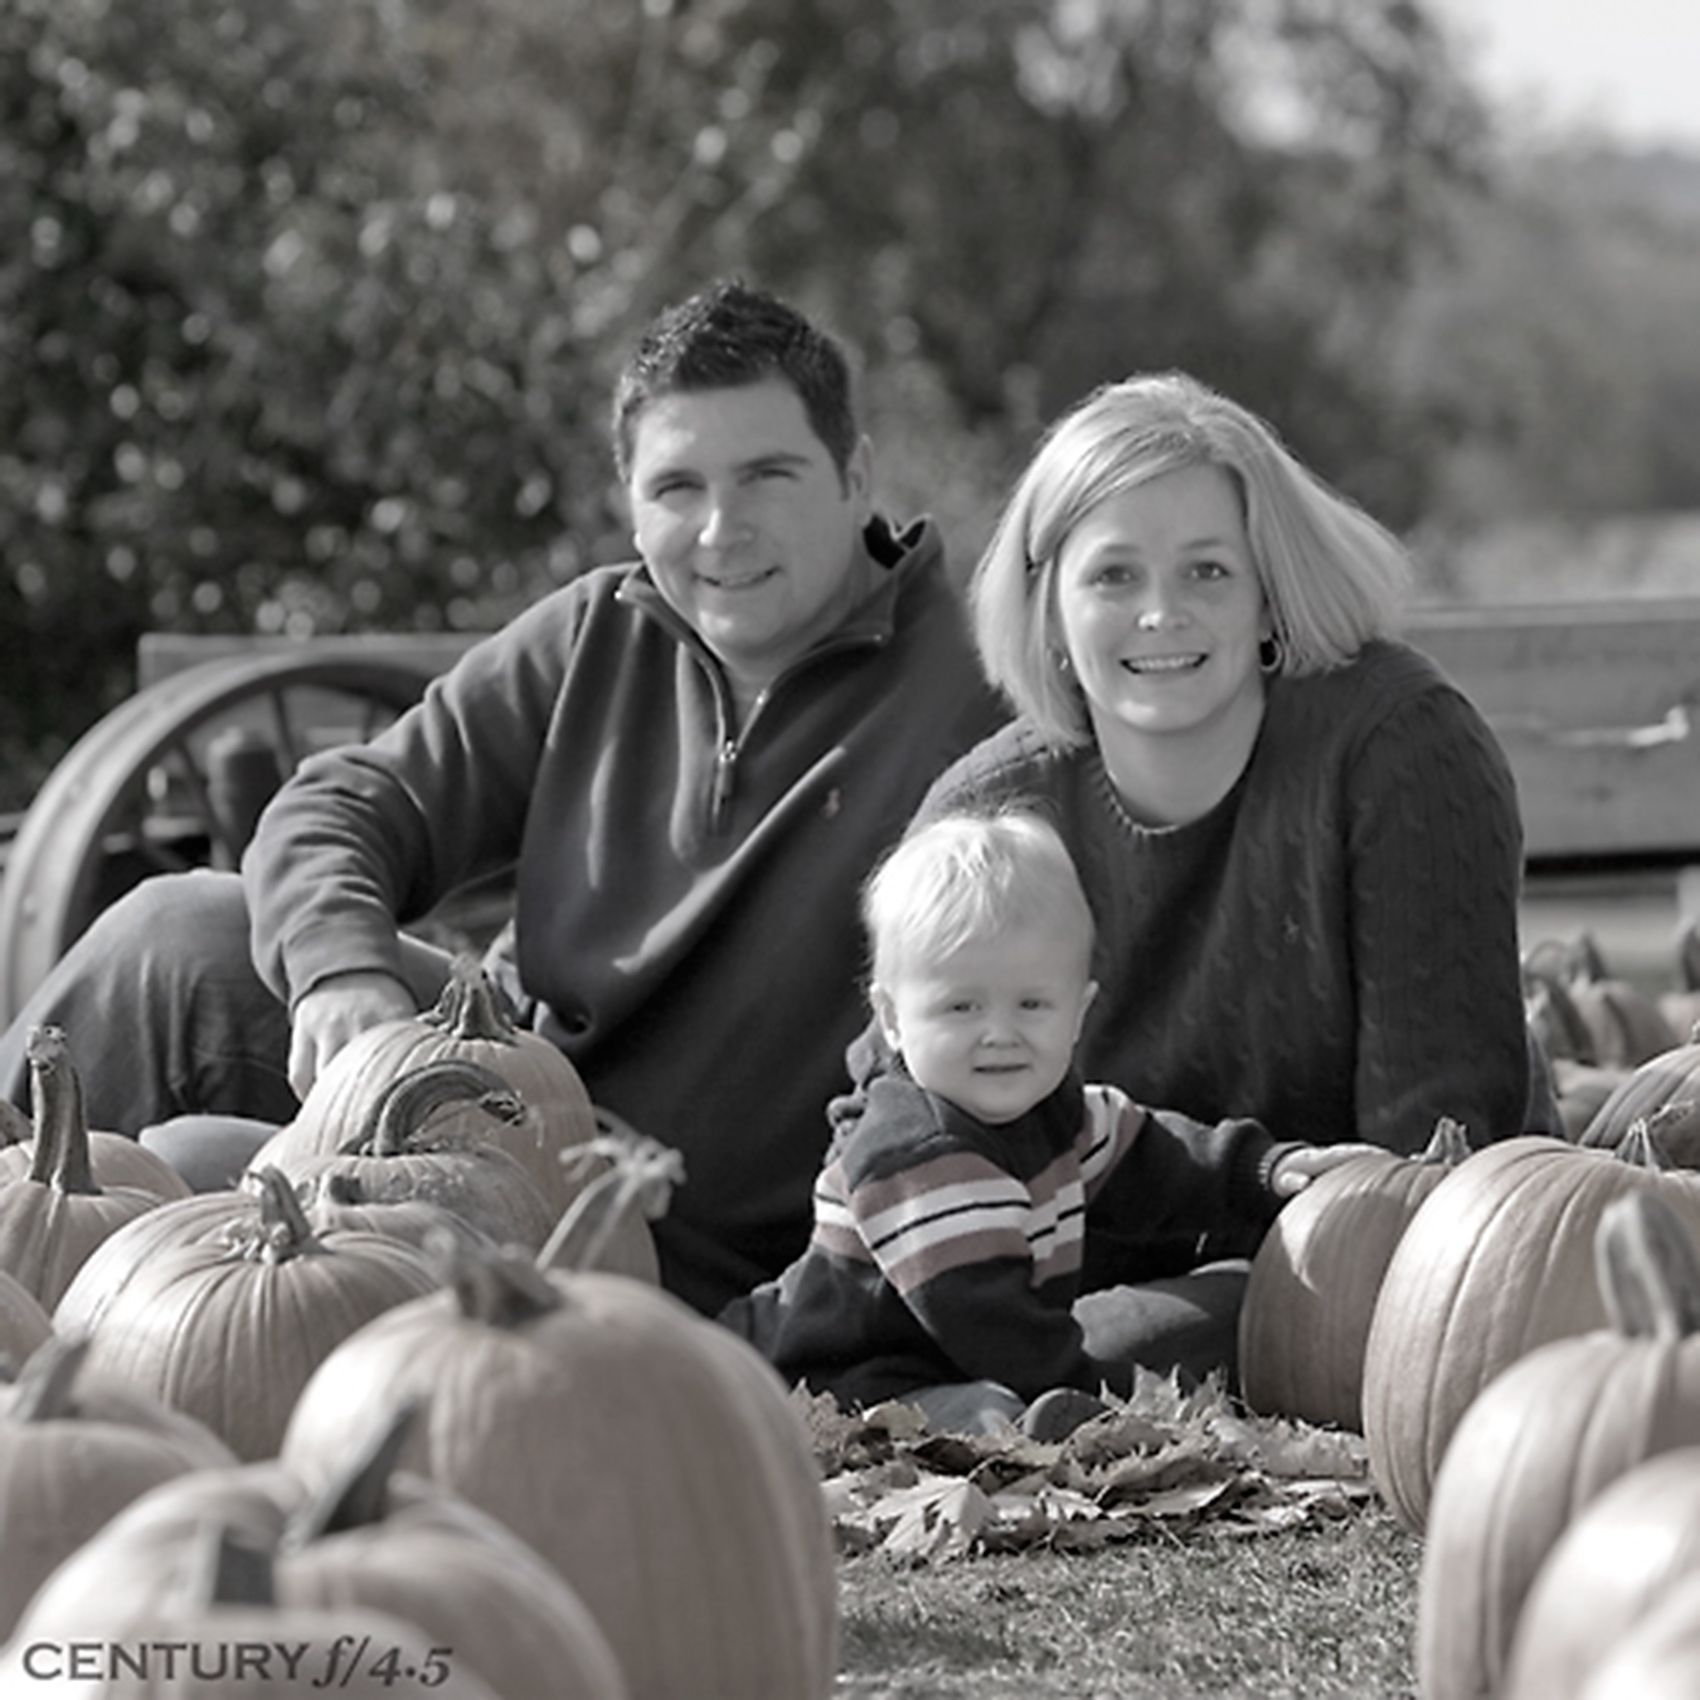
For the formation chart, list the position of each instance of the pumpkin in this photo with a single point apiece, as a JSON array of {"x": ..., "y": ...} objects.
[
  {"x": 1499, "y": 1259},
  {"x": 365, "y": 1538},
  {"x": 15, "y": 1128},
  {"x": 336, "y": 1200},
  {"x": 1664, "y": 1091},
  {"x": 24, "y": 1323},
  {"x": 1552, "y": 1014},
  {"x": 1312, "y": 1290},
  {"x": 402, "y": 1150},
  {"x": 203, "y": 1217},
  {"x": 651, "y": 1456},
  {"x": 227, "y": 1637},
  {"x": 1547, "y": 1435},
  {"x": 606, "y": 1228},
  {"x": 54, "y": 1215},
  {"x": 71, "y": 1456},
  {"x": 1615, "y": 1560},
  {"x": 469, "y": 1024},
  {"x": 1659, "y": 1658},
  {"x": 230, "y": 1331},
  {"x": 1625, "y": 1026},
  {"x": 1580, "y": 1090},
  {"x": 115, "y": 1158},
  {"x": 1681, "y": 1008}
]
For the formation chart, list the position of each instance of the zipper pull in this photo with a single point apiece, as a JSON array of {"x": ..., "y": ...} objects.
[{"x": 725, "y": 759}]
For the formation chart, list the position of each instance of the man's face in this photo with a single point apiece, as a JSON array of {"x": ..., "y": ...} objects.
[{"x": 745, "y": 523}]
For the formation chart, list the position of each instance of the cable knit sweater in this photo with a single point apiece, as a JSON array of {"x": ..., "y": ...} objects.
[{"x": 1332, "y": 949}]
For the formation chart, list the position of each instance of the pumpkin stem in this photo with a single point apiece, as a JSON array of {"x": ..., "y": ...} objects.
[
  {"x": 42, "y": 1391},
  {"x": 281, "y": 1231},
  {"x": 400, "y": 1112},
  {"x": 490, "y": 1285},
  {"x": 358, "y": 1495},
  {"x": 641, "y": 1174},
  {"x": 1648, "y": 1266},
  {"x": 1449, "y": 1144},
  {"x": 15, "y": 1126},
  {"x": 1641, "y": 1145},
  {"x": 230, "y": 1571},
  {"x": 61, "y": 1129},
  {"x": 473, "y": 1006}
]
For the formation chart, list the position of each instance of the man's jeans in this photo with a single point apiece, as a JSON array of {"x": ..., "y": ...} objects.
[{"x": 166, "y": 1019}]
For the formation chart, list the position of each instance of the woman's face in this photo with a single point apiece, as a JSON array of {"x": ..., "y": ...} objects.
[{"x": 1161, "y": 609}]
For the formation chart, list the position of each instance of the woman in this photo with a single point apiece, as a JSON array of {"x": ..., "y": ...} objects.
[{"x": 1301, "y": 843}]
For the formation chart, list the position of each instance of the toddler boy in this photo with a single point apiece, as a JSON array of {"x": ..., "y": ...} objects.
[{"x": 950, "y": 1215}]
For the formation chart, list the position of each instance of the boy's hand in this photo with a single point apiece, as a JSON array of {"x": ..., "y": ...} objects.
[{"x": 1295, "y": 1170}]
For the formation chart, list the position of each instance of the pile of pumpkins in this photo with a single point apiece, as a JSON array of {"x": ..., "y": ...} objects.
[
  {"x": 408, "y": 1403},
  {"x": 1515, "y": 1331}
]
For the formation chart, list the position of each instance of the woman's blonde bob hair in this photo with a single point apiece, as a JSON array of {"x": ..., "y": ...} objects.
[{"x": 1332, "y": 577}]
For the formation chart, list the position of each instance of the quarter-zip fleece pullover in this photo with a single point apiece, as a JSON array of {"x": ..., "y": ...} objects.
[{"x": 685, "y": 924}]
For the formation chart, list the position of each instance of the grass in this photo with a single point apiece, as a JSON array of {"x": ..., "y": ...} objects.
[{"x": 1323, "y": 1612}]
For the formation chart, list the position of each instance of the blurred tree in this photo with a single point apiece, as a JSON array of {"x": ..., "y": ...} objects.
[{"x": 308, "y": 309}]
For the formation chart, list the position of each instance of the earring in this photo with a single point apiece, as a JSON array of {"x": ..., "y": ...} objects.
[
  {"x": 1271, "y": 654},
  {"x": 1064, "y": 665}
]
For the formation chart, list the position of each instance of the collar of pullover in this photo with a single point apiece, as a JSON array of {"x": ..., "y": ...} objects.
[{"x": 872, "y": 622}]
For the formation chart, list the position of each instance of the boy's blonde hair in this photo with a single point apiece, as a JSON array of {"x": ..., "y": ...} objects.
[{"x": 964, "y": 877}]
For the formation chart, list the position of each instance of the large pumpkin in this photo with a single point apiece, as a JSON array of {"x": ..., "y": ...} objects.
[
  {"x": 403, "y": 1151},
  {"x": 1659, "y": 1657},
  {"x": 651, "y": 1456},
  {"x": 71, "y": 1456},
  {"x": 1547, "y": 1435},
  {"x": 54, "y": 1215},
  {"x": 1617, "y": 1558},
  {"x": 1498, "y": 1260},
  {"x": 469, "y": 1024},
  {"x": 227, "y": 1637},
  {"x": 1314, "y": 1280},
  {"x": 1664, "y": 1091},
  {"x": 364, "y": 1539},
  {"x": 24, "y": 1323},
  {"x": 231, "y": 1331},
  {"x": 203, "y": 1217}
]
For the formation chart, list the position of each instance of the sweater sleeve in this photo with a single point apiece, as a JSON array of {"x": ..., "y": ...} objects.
[
  {"x": 365, "y": 838},
  {"x": 1436, "y": 856},
  {"x": 1179, "y": 1176}
]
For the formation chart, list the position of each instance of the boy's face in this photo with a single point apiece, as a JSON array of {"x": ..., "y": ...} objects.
[{"x": 992, "y": 1026}]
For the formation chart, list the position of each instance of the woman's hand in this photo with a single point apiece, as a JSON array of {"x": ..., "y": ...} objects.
[{"x": 1295, "y": 1170}]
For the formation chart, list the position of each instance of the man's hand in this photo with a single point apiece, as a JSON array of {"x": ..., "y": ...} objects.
[
  {"x": 333, "y": 1012},
  {"x": 1295, "y": 1170}
]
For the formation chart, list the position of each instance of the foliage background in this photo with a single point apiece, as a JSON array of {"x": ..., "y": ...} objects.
[{"x": 309, "y": 308}]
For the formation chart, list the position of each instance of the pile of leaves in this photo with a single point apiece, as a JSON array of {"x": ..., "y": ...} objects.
[{"x": 1163, "y": 1458}]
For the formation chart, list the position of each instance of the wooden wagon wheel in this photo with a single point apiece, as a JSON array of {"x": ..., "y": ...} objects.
[{"x": 171, "y": 780}]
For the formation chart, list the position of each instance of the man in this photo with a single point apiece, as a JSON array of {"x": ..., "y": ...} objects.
[{"x": 690, "y": 761}]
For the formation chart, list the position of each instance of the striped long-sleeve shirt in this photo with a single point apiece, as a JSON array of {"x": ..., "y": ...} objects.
[{"x": 945, "y": 1249}]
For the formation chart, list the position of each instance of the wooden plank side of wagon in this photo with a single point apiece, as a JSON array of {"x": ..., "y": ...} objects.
[{"x": 1598, "y": 708}]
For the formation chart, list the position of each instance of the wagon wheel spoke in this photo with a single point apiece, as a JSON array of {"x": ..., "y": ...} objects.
[{"x": 105, "y": 818}]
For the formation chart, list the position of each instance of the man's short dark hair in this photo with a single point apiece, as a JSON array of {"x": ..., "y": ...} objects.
[{"x": 727, "y": 335}]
